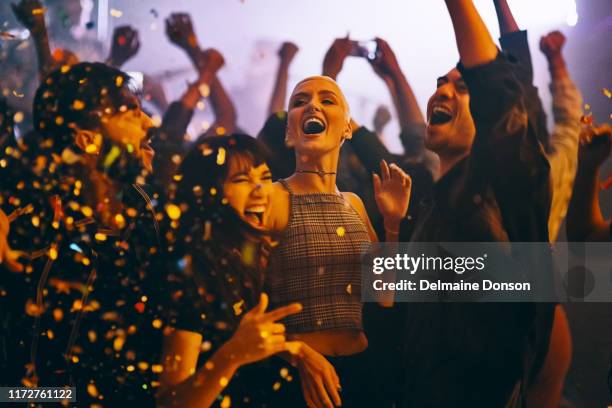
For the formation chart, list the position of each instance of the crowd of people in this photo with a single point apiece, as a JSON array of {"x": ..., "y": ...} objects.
[{"x": 142, "y": 268}]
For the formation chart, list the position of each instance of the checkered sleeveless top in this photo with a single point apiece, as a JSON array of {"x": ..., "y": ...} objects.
[{"x": 318, "y": 263}]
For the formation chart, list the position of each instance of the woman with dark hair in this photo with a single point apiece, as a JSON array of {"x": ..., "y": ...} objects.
[{"x": 217, "y": 309}]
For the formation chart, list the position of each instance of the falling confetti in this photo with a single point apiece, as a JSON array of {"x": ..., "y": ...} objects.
[
  {"x": 607, "y": 93},
  {"x": 116, "y": 13},
  {"x": 221, "y": 156},
  {"x": 18, "y": 94},
  {"x": 226, "y": 402},
  {"x": 238, "y": 307},
  {"x": 92, "y": 390},
  {"x": 18, "y": 117},
  {"x": 349, "y": 289},
  {"x": 204, "y": 90},
  {"x": 173, "y": 211},
  {"x": 340, "y": 231}
]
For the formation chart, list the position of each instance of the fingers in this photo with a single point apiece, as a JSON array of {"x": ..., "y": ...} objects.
[
  {"x": 321, "y": 393},
  {"x": 377, "y": 183},
  {"x": 332, "y": 385},
  {"x": 283, "y": 312},
  {"x": 308, "y": 394},
  {"x": 262, "y": 305},
  {"x": 384, "y": 170}
]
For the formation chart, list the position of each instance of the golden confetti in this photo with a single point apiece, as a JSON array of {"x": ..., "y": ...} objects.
[
  {"x": 100, "y": 236},
  {"x": 221, "y": 156},
  {"x": 18, "y": 117},
  {"x": 157, "y": 120},
  {"x": 276, "y": 386},
  {"x": 213, "y": 191},
  {"x": 223, "y": 381},
  {"x": 204, "y": 90},
  {"x": 115, "y": 13},
  {"x": 92, "y": 336},
  {"x": 92, "y": 390},
  {"x": 200, "y": 105},
  {"x": 58, "y": 314},
  {"x": 157, "y": 323},
  {"x": 209, "y": 365},
  {"x": 18, "y": 94},
  {"x": 75, "y": 359},
  {"x": 35, "y": 221},
  {"x": 143, "y": 365},
  {"x": 226, "y": 402},
  {"x": 284, "y": 372},
  {"x": 220, "y": 130},
  {"x": 87, "y": 211},
  {"x": 130, "y": 368},
  {"x": 340, "y": 231},
  {"x": 50, "y": 334},
  {"x": 78, "y": 105},
  {"x": 118, "y": 343},
  {"x": 238, "y": 307},
  {"x": 119, "y": 81},
  {"x": 38, "y": 11},
  {"x": 32, "y": 309},
  {"x": 120, "y": 220},
  {"x": 607, "y": 93},
  {"x": 53, "y": 253},
  {"x": 173, "y": 211},
  {"x": 157, "y": 368},
  {"x": 349, "y": 289}
]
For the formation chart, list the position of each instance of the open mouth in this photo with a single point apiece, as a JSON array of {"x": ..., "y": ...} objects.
[
  {"x": 440, "y": 115},
  {"x": 313, "y": 126},
  {"x": 255, "y": 214}
]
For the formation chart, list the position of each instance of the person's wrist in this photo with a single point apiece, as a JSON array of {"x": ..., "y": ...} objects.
[
  {"x": 392, "y": 225},
  {"x": 229, "y": 355}
]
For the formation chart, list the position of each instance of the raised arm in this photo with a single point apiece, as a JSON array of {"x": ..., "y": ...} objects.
[
  {"x": 279, "y": 93},
  {"x": 335, "y": 56},
  {"x": 585, "y": 221},
  {"x": 179, "y": 29},
  {"x": 124, "y": 46},
  {"x": 387, "y": 67},
  {"x": 475, "y": 45},
  {"x": 31, "y": 15},
  {"x": 506, "y": 21}
]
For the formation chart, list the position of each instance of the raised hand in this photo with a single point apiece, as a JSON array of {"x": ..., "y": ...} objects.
[
  {"x": 287, "y": 52},
  {"x": 385, "y": 64},
  {"x": 320, "y": 383},
  {"x": 259, "y": 336},
  {"x": 179, "y": 30},
  {"x": 335, "y": 56},
  {"x": 124, "y": 46},
  {"x": 208, "y": 62},
  {"x": 30, "y": 14},
  {"x": 8, "y": 257},
  {"x": 595, "y": 145},
  {"x": 552, "y": 44},
  {"x": 392, "y": 194}
]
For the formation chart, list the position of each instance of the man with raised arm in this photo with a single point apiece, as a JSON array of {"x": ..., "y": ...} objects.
[{"x": 493, "y": 187}]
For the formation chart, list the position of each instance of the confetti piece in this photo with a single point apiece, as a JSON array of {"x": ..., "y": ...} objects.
[
  {"x": 173, "y": 211},
  {"x": 59, "y": 120},
  {"x": 58, "y": 314},
  {"x": 78, "y": 105},
  {"x": 111, "y": 157},
  {"x": 220, "y": 130},
  {"x": 92, "y": 390},
  {"x": 130, "y": 368},
  {"x": 118, "y": 81},
  {"x": 140, "y": 307},
  {"x": 53, "y": 253},
  {"x": 349, "y": 289},
  {"x": 221, "y": 156},
  {"x": 209, "y": 365},
  {"x": 143, "y": 366},
  {"x": 38, "y": 11},
  {"x": 607, "y": 93},
  {"x": 200, "y": 105},
  {"x": 276, "y": 386},
  {"x": 18, "y": 117},
  {"x": 226, "y": 402},
  {"x": 157, "y": 368},
  {"x": 116, "y": 13},
  {"x": 238, "y": 307},
  {"x": 204, "y": 90},
  {"x": 18, "y": 94},
  {"x": 64, "y": 69},
  {"x": 157, "y": 323},
  {"x": 340, "y": 231},
  {"x": 587, "y": 106},
  {"x": 87, "y": 211},
  {"x": 118, "y": 343},
  {"x": 100, "y": 236},
  {"x": 92, "y": 336},
  {"x": 284, "y": 372},
  {"x": 119, "y": 221}
]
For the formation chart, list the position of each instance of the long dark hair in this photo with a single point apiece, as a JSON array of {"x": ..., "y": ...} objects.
[{"x": 210, "y": 230}]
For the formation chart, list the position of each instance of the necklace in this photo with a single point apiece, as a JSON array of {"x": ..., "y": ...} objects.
[{"x": 321, "y": 173}]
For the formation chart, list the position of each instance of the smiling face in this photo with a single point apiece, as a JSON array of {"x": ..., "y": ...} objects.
[
  {"x": 247, "y": 190},
  {"x": 318, "y": 118},
  {"x": 130, "y": 127},
  {"x": 450, "y": 126}
]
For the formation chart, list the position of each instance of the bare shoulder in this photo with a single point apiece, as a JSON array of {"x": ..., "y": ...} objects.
[{"x": 355, "y": 202}]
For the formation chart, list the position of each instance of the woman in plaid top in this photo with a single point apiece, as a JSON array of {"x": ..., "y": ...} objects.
[{"x": 323, "y": 232}]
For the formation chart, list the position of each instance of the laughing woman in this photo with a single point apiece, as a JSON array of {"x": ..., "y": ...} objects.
[
  {"x": 322, "y": 234},
  {"x": 217, "y": 309}
]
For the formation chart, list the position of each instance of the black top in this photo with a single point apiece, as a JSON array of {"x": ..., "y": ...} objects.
[{"x": 478, "y": 352}]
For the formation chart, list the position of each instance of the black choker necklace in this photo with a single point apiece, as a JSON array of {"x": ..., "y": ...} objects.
[{"x": 321, "y": 173}]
